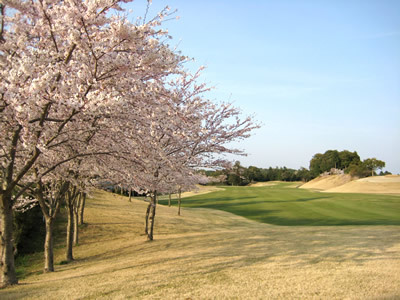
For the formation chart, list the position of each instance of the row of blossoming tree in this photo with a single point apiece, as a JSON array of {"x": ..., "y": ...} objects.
[{"x": 87, "y": 96}]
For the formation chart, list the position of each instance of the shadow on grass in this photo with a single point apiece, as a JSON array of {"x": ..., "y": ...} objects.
[{"x": 209, "y": 254}]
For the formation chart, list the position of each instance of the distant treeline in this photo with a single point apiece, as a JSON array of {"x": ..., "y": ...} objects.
[
  {"x": 240, "y": 175},
  {"x": 332, "y": 161}
]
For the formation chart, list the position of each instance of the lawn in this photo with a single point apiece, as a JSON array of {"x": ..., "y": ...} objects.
[
  {"x": 212, "y": 254},
  {"x": 283, "y": 204}
]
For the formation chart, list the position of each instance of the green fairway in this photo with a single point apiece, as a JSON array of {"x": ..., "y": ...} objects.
[{"x": 282, "y": 204}]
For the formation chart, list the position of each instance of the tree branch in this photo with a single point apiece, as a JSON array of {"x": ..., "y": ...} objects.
[
  {"x": 2, "y": 14},
  {"x": 50, "y": 26},
  {"x": 13, "y": 151}
]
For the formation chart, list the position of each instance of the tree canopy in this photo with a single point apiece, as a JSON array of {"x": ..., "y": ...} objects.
[
  {"x": 88, "y": 97},
  {"x": 345, "y": 160},
  {"x": 333, "y": 159}
]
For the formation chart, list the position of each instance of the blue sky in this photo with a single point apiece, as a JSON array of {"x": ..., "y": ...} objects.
[{"x": 319, "y": 75}]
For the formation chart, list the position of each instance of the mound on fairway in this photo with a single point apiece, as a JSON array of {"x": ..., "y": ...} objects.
[
  {"x": 375, "y": 185},
  {"x": 327, "y": 182}
]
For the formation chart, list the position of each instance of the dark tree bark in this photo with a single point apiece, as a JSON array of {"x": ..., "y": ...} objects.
[
  {"x": 70, "y": 234},
  {"x": 77, "y": 205},
  {"x": 50, "y": 208},
  {"x": 150, "y": 216},
  {"x": 10, "y": 179},
  {"x": 146, "y": 226},
  {"x": 82, "y": 209},
  {"x": 151, "y": 212},
  {"x": 179, "y": 201},
  {"x": 76, "y": 229},
  {"x": 48, "y": 247},
  {"x": 153, "y": 204},
  {"x": 130, "y": 195},
  {"x": 71, "y": 202},
  {"x": 8, "y": 275},
  {"x": 169, "y": 200}
]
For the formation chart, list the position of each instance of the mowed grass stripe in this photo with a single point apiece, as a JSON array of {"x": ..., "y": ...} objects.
[
  {"x": 282, "y": 204},
  {"x": 379, "y": 209}
]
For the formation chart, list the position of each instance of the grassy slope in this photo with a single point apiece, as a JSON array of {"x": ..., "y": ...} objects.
[
  {"x": 281, "y": 205},
  {"x": 214, "y": 254}
]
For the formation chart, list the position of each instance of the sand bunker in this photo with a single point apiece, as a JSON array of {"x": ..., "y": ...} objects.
[
  {"x": 381, "y": 179},
  {"x": 327, "y": 182},
  {"x": 200, "y": 190},
  {"x": 370, "y": 185},
  {"x": 261, "y": 184},
  {"x": 293, "y": 184}
]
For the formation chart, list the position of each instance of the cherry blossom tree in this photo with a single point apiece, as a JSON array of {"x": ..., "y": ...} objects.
[
  {"x": 185, "y": 130},
  {"x": 62, "y": 61},
  {"x": 84, "y": 92}
]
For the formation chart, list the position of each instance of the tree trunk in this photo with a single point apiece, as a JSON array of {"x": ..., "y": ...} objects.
[
  {"x": 169, "y": 200},
  {"x": 8, "y": 275},
  {"x": 76, "y": 228},
  {"x": 153, "y": 204},
  {"x": 179, "y": 201},
  {"x": 146, "y": 226},
  {"x": 48, "y": 246},
  {"x": 82, "y": 208},
  {"x": 50, "y": 208},
  {"x": 70, "y": 232},
  {"x": 130, "y": 195}
]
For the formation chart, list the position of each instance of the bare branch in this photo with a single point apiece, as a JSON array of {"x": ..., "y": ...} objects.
[
  {"x": 2, "y": 14},
  {"x": 50, "y": 26}
]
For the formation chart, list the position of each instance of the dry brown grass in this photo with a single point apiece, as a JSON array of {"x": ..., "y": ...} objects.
[{"x": 212, "y": 254}]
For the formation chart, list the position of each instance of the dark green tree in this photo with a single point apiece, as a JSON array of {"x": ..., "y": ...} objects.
[
  {"x": 315, "y": 165},
  {"x": 304, "y": 175},
  {"x": 373, "y": 164},
  {"x": 347, "y": 158},
  {"x": 330, "y": 160},
  {"x": 253, "y": 174},
  {"x": 358, "y": 170}
]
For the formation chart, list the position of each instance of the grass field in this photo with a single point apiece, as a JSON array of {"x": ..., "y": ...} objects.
[
  {"x": 283, "y": 204},
  {"x": 213, "y": 254}
]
